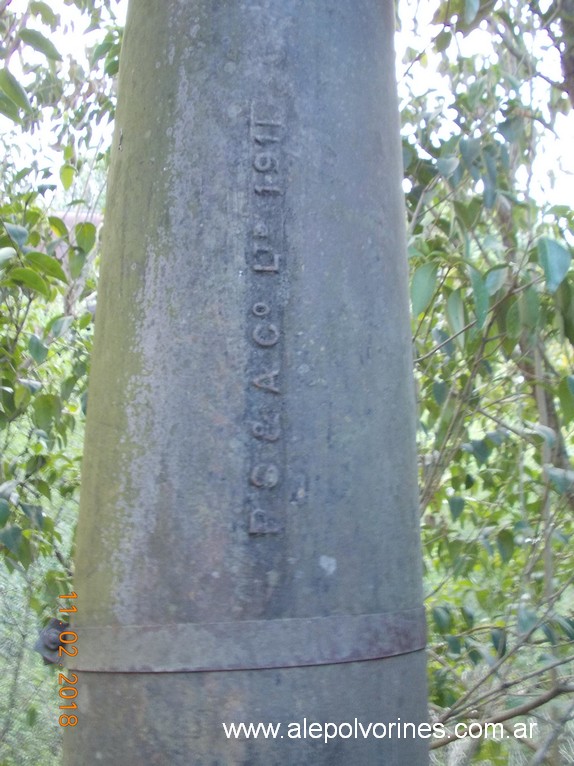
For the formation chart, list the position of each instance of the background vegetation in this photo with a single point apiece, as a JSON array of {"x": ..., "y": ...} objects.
[{"x": 484, "y": 89}]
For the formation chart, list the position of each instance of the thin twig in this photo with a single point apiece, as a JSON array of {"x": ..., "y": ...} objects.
[{"x": 552, "y": 737}]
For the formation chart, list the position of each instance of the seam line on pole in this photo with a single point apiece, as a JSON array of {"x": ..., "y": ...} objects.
[{"x": 249, "y": 644}]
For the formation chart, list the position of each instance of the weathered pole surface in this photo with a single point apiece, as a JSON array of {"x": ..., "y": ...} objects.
[{"x": 248, "y": 537}]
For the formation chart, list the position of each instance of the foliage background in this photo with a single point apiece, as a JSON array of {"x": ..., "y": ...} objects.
[{"x": 484, "y": 86}]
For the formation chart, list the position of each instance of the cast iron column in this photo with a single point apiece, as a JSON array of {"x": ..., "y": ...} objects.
[{"x": 248, "y": 537}]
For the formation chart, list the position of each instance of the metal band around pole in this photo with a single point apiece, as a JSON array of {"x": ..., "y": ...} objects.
[{"x": 248, "y": 645}]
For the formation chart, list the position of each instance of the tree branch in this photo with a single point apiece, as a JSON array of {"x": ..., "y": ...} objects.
[
  {"x": 551, "y": 738},
  {"x": 520, "y": 710}
]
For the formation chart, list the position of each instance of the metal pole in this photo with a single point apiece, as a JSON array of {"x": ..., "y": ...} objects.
[{"x": 248, "y": 537}]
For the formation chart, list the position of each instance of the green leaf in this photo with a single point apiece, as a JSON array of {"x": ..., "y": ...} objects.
[
  {"x": 409, "y": 154},
  {"x": 45, "y": 12},
  {"x": 495, "y": 279},
  {"x": 76, "y": 261},
  {"x": 112, "y": 66},
  {"x": 440, "y": 391},
  {"x": 425, "y": 171},
  {"x": 527, "y": 619},
  {"x": 529, "y": 308},
  {"x": 505, "y": 544},
  {"x": 67, "y": 173},
  {"x": 566, "y": 624},
  {"x": 497, "y": 436},
  {"x": 456, "y": 505},
  {"x": 61, "y": 326},
  {"x": 9, "y": 109},
  {"x": 468, "y": 615},
  {"x": 47, "y": 409},
  {"x": 22, "y": 397},
  {"x": 38, "y": 351},
  {"x": 43, "y": 488},
  {"x": 454, "y": 645},
  {"x": 489, "y": 194},
  {"x": 470, "y": 10},
  {"x": 31, "y": 279},
  {"x": 475, "y": 651},
  {"x": 12, "y": 88},
  {"x": 18, "y": 234},
  {"x": 562, "y": 479},
  {"x": 480, "y": 295},
  {"x": 66, "y": 388},
  {"x": 488, "y": 153},
  {"x": 4, "y": 511},
  {"x": 100, "y": 51},
  {"x": 441, "y": 15},
  {"x": 11, "y": 538},
  {"x": 58, "y": 226},
  {"x": 442, "y": 618},
  {"x": 441, "y": 336},
  {"x": 69, "y": 152},
  {"x": 34, "y": 514},
  {"x": 31, "y": 715},
  {"x": 40, "y": 43},
  {"x": 25, "y": 552},
  {"x": 447, "y": 165},
  {"x": 511, "y": 129},
  {"x": 566, "y": 397},
  {"x": 85, "y": 320},
  {"x": 7, "y": 488},
  {"x": 547, "y": 433},
  {"x": 512, "y": 320},
  {"x": 35, "y": 463},
  {"x": 442, "y": 41},
  {"x": 6, "y": 255},
  {"x": 423, "y": 287},
  {"x": 480, "y": 450},
  {"x": 555, "y": 262},
  {"x": 47, "y": 264},
  {"x": 469, "y": 214},
  {"x": 549, "y": 632},
  {"x": 85, "y": 236},
  {"x": 498, "y": 638},
  {"x": 470, "y": 150},
  {"x": 455, "y": 315}
]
